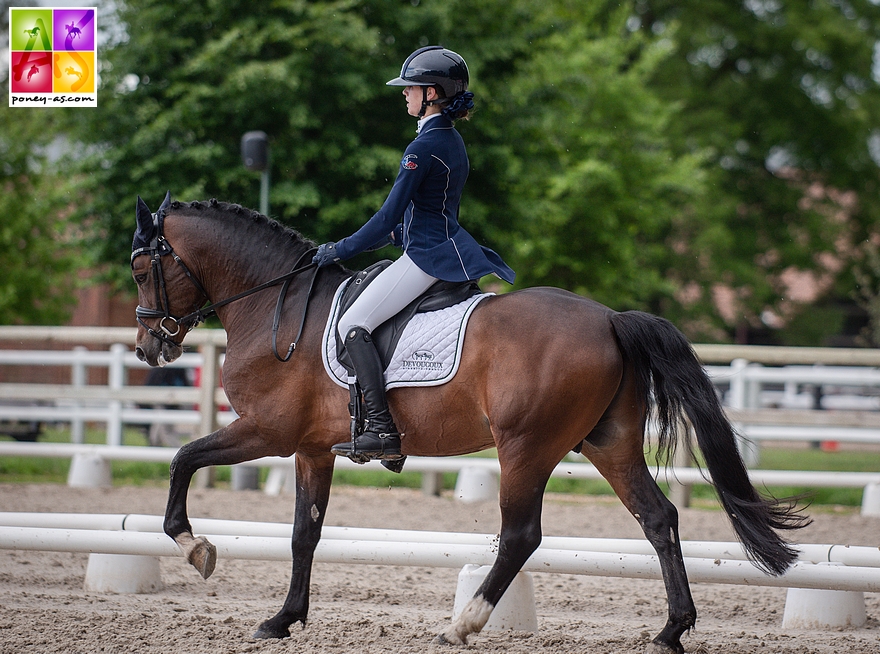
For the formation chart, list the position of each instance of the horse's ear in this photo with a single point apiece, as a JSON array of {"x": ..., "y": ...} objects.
[
  {"x": 144, "y": 215},
  {"x": 166, "y": 204},
  {"x": 145, "y": 231}
]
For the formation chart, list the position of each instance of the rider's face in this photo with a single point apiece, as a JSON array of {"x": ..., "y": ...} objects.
[{"x": 413, "y": 95}]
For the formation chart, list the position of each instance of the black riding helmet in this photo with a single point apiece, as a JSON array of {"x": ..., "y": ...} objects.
[{"x": 436, "y": 66}]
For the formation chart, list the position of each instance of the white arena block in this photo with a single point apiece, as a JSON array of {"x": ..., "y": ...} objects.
[
  {"x": 89, "y": 471},
  {"x": 516, "y": 610},
  {"x": 871, "y": 500},
  {"x": 476, "y": 484},
  {"x": 817, "y": 609},
  {"x": 123, "y": 573}
]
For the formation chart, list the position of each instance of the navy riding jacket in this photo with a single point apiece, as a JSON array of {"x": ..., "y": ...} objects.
[{"x": 425, "y": 196}]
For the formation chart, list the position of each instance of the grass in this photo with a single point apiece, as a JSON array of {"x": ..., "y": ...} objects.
[
  {"x": 132, "y": 473},
  {"x": 45, "y": 470}
]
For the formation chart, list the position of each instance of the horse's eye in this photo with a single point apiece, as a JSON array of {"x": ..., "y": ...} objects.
[{"x": 141, "y": 278}]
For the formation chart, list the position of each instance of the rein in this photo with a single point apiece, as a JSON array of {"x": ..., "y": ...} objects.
[
  {"x": 276, "y": 321},
  {"x": 160, "y": 247}
]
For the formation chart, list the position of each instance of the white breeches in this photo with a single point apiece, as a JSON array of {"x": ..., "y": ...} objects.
[{"x": 394, "y": 288}]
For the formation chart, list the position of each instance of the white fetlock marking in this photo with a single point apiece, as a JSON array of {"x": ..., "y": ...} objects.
[
  {"x": 199, "y": 552},
  {"x": 472, "y": 620}
]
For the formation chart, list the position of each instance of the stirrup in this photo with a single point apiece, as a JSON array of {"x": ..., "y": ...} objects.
[
  {"x": 394, "y": 465},
  {"x": 376, "y": 447}
]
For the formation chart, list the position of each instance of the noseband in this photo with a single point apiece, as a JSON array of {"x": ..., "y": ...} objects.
[{"x": 170, "y": 326}]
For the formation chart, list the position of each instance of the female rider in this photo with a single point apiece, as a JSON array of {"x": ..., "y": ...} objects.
[{"x": 420, "y": 215}]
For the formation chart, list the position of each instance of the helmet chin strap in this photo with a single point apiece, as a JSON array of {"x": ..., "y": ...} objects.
[{"x": 426, "y": 103}]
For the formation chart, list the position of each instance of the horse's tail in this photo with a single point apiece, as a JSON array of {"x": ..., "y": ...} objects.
[{"x": 666, "y": 363}]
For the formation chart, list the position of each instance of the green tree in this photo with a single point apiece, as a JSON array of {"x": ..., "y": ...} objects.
[
  {"x": 784, "y": 98},
  {"x": 597, "y": 189},
  {"x": 645, "y": 153},
  {"x": 187, "y": 80},
  {"x": 38, "y": 249}
]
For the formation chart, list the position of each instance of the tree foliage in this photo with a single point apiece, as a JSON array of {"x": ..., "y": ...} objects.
[
  {"x": 598, "y": 190},
  {"x": 652, "y": 154},
  {"x": 784, "y": 98},
  {"x": 38, "y": 247}
]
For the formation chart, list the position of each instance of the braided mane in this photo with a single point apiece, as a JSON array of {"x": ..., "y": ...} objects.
[{"x": 229, "y": 211}]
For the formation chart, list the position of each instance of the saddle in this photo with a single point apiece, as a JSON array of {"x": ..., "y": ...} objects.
[{"x": 386, "y": 336}]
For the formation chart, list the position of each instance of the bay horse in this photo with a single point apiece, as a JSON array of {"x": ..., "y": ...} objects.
[{"x": 543, "y": 372}]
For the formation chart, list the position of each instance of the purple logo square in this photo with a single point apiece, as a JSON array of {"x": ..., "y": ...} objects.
[{"x": 74, "y": 29}]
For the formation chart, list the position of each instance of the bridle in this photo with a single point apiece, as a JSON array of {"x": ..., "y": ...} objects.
[{"x": 170, "y": 325}]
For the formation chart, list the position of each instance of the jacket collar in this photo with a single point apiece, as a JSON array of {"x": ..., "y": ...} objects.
[{"x": 438, "y": 121}]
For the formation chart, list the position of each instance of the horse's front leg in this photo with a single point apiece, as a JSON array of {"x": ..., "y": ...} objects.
[
  {"x": 229, "y": 445},
  {"x": 313, "y": 478}
]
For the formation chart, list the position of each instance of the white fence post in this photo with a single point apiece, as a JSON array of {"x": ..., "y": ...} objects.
[
  {"x": 743, "y": 394},
  {"x": 116, "y": 381},
  {"x": 207, "y": 405},
  {"x": 679, "y": 492},
  {"x": 78, "y": 378}
]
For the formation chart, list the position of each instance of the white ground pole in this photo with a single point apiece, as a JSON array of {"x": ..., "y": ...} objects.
[{"x": 846, "y": 571}]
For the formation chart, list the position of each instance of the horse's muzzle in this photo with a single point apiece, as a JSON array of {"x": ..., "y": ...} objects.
[{"x": 158, "y": 353}]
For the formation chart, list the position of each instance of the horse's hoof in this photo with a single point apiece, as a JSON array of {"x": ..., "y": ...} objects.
[
  {"x": 442, "y": 639},
  {"x": 203, "y": 556},
  {"x": 259, "y": 634},
  {"x": 659, "y": 648},
  {"x": 266, "y": 631}
]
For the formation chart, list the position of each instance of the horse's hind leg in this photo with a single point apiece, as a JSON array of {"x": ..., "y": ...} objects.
[
  {"x": 522, "y": 492},
  {"x": 313, "y": 478},
  {"x": 630, "y": 478}
]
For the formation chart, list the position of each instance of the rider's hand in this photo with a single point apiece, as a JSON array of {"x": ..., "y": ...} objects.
[{"x": 325, "y": 255}]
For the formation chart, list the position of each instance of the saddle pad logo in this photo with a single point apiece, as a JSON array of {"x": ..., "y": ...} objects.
[
  {"x": 408, "y": 163},
  {"x": 421, "y": 360}
]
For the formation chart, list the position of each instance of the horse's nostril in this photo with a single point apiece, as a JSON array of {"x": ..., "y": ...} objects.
[{"x": 139, "y": 353}]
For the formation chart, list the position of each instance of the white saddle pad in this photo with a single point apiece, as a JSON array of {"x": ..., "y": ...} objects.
[{"x": 427, "y": 354}]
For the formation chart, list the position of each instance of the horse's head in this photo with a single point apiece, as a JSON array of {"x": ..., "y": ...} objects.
[{"x": 165, "y": 292}]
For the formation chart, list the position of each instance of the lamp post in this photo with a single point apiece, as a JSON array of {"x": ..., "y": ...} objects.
[{"x": 255, "y": 155}]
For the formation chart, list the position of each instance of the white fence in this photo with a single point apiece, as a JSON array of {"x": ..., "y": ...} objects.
[
  {"x": 766, "y": 403},
  {"x": 835, "y": 398},
  {"x": 452, "y": 464},
  {"x": 116, "y": 403}
]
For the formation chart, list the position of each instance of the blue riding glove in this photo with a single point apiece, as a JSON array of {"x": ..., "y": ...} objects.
[{"x": 325, "y": 255}]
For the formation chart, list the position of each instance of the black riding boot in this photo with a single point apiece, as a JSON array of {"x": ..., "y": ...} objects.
[{"x": 380, "y": 438}]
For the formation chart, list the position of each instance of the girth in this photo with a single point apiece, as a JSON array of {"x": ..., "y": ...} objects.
[{"x": 386, "y": 336}]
